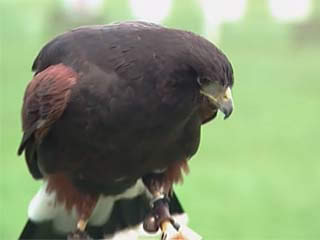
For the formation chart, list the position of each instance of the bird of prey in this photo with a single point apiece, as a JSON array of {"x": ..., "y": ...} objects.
[{"x": 110, "y": 119}]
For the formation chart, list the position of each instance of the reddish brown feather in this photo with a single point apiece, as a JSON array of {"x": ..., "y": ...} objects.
[
  {"x": 68, "y": 195},
  {"x": 163, "y": 182},
  {"x": 46, "y": 98},
  {"x": 175, "y": 171},
  {"x": 44, "y": 102}
]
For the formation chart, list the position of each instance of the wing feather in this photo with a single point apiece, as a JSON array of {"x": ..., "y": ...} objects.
[{"x": 45, "y": 100}]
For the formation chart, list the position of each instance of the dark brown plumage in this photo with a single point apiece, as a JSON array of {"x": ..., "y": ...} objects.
[{"x": 109, "y": 105}]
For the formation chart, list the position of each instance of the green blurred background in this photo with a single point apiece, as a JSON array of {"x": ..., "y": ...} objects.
[{"x": 256, "y": 176}]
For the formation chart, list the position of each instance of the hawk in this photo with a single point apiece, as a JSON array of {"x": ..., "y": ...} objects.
[{"x": 110, "y": 119}]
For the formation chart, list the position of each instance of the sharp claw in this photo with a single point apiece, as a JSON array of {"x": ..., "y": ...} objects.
[
  {"x": 78, "y": 235},
  {"x": 172, "y": 232},
  {"x": 81, "y": 225},
  {"x": 164, "y": 236},
  {"x": 168, "y": 231}
]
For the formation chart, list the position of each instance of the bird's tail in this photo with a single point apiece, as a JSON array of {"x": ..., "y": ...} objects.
[
  {"x": 42, "y": 230},
  {"x": 125, "y": 221}
]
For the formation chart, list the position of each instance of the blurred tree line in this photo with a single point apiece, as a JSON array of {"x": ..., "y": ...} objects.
[
  {"x": 42, "y": 19},
  {"x": 46, "y": 17}
]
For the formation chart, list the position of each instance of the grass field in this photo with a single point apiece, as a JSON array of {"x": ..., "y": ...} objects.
[{"x": 256, "y": 176}]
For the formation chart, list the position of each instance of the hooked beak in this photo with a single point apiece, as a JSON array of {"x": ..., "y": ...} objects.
[
  {"x": 226, "y": 103},
  {"x": 223, "y": 101}
]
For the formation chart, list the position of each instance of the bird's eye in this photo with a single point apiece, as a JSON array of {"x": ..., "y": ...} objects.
[{"x": 203, "y": 81}]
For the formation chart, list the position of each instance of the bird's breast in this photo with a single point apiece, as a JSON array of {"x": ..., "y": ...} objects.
[{"x": 120, "y": 131}]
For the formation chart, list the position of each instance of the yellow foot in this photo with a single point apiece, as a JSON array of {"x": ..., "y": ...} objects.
[
  {"x": 80, "y": 233},
  {"x": 171, "y": 233},
  {"x": 81, "y": 225}
]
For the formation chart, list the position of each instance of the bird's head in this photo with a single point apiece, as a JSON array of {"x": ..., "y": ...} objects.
[
  {"x": 216, "y": 81},
  {"x": 220, "y": 95}
]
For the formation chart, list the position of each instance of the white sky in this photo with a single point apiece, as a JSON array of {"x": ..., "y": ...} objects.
[
  {"x": 290, "y": 10},
  {"x": 215, "y": 11},
  {"x": 91, "y": 7},
  {"x": 151, "y": 10}
]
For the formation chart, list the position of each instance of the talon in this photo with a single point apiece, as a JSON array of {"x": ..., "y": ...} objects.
[
  {"x": 166, "y": 230},
  {"x": 173, "y": 231},
  {"x": 79, "y": 235},
  {"x": 81, "y": 225},
  {"x": 169, "y": 232}
]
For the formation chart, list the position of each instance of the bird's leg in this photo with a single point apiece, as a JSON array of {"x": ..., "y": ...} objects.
[
  {"x": 164, "y": 220},
  {"x": 85, "y": 209},
  {"x": 80, "y": 233},
  {"x": 82, "y": 224},
  {"x": 171, "y": 230},
  {"x": 159, "y": 216},
  {"x": 72, "y": 198}
]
